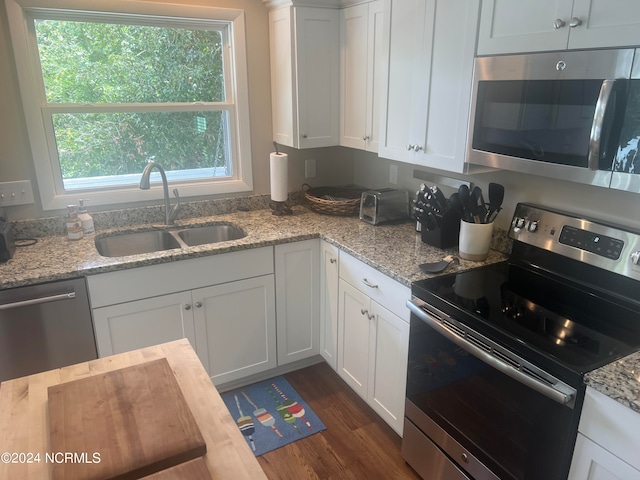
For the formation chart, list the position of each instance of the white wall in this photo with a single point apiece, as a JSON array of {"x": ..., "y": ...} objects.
[{"x": 601, "y": 203}]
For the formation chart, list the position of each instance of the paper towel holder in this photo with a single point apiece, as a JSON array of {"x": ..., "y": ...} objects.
[{"x": 279, "y": 208}]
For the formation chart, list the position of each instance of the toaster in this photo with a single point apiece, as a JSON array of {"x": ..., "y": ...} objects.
[{"x": 384, "y": 205}]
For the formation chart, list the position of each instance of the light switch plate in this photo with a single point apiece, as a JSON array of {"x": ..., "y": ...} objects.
[{"x": 16, "y": 193}]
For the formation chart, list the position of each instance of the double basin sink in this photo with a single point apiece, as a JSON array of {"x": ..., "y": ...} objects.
[{"x": 149, "y": 241}]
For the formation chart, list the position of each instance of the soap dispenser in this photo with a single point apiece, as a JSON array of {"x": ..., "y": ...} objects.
[
  {"x": 85, "y": 218},
  {"x": 73, "y": 224}
]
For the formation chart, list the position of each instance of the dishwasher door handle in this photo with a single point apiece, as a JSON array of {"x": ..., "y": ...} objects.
[{"x": 39, "y": 300}]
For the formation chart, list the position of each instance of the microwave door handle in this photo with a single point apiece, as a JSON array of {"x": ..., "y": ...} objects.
[
  {"x": 561, "y": 397},
  {"x": 595, "y": 140}
]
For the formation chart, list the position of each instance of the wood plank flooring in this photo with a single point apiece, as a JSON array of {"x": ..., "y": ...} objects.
[{"x": 357, "y": 444}]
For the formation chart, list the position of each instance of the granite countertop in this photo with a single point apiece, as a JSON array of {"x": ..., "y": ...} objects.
[{"x": 395, "y": 250}]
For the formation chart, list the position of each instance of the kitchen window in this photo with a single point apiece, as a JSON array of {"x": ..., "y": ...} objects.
[{"x": 109, "y": 85}]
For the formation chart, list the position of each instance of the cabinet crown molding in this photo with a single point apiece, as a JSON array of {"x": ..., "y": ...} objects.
[{"x": 275, "y": 4}]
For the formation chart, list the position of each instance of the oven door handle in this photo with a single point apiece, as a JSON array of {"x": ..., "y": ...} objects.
[
  {"x": 597, "y": 128},
  {"x": 564, "y": 398}
]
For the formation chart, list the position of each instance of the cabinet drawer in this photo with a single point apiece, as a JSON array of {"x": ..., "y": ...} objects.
[
  {"x": 144, "y": 282},
  {"x": 376, "y": 285}
]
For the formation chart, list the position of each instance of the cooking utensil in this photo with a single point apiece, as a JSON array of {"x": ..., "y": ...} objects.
[
  {"x": 496, "y": 196},
  {"x": 437, "y": 267},
  {"x": 464, "y": 194},
  {"x": 477, "y": 205},
  {"x": 456, "y": 204}
]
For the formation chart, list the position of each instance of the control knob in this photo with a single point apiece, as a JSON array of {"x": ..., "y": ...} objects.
[
  {"x": 635, "y": 258},
  {"x": 533, "y": 226}
]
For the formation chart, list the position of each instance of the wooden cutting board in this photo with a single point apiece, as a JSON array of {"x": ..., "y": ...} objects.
[{"x": 135, "y": 419}]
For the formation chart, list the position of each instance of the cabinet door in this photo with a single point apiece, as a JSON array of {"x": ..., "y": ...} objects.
[
  {"x": 592, "y": 462},
  {"x": 317, "y": 71},
  {"x": 297, "y": 300},
  {"x": 329, "y": 304},
  {"x": 283, "y": 105},
  {"x": 142, "y": 323},
  {"x": 408, "y": 53},
  {"x": 354, "y": 326},
  {"x": 426, "y": 117},
  {"x": 235, "y": 326},
  {"x": 605, "y": 23},
  {"x": 388, "y": 367},
  {"x": 361, "y": 72},
  {"x": 354, "y": 25},
  {"x": 523, "y": 26}
]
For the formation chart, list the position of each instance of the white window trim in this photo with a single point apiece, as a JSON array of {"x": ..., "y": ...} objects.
[{"x": 32, "y": 93}]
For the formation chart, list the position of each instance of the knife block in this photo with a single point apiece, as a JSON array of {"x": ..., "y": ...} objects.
[{"x": 447, "y": 233}]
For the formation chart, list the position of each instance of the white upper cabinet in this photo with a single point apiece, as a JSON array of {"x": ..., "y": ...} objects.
[
  {"x": 361, "y": 71},
  {"x": 305, "y": 77},
  {"x": 431, "y": 46},
  {"x": 542, "y": 25}
]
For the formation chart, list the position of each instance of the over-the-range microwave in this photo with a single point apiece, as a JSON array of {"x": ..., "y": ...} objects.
[{"x": 571, "y": 115}]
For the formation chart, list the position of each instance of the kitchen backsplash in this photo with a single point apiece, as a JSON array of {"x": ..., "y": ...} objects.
[{"x": 44, "y": 227}]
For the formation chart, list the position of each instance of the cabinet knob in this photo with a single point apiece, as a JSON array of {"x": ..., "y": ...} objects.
[
  {"x": 575, "y": 22},
  {"x": 332, "y": 260},
  {"x": 304, "y": 135},
  {"x": 559, "y": 23},
  {"x": 364, "y": 311},
  {"x": 409, "y": 147},
  {"x": 417, "y": 148},
  {"x": 198, "y": 304},
  {"x": 365, "y": 137},
  {"x": 187, "y": 306}
]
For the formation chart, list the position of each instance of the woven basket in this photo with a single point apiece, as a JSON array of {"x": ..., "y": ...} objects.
[{"x": 334, "y": 200}]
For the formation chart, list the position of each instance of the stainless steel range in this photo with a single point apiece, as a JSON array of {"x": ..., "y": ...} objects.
[{"x": 497, "y": 354}]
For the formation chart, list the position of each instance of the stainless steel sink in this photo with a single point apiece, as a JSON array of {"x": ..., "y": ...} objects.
[
  {"x": 211, "y": 234},
  {"x": 136, "y": 243}
]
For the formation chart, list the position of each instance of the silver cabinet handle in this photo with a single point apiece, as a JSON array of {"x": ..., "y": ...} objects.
[
  {"x": 369, "y": 284},
  {"x": 332, "y": 260},
  {"x": 559, "y": 23},
  {"x": 417, "y": 148},
  {"x": 365, "y": 137},
  {"x": 37, "y": 301},
  {"x": 364, "y": 311},
  {"x": 187, "y": 306},
  {"x": 198, "y": 304},
  {"x": 575, "y": 22},
  {"x": 409, "y": 147}
]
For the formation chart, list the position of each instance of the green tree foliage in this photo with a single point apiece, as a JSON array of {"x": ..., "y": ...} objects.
[{"x": 101, "y": 63}]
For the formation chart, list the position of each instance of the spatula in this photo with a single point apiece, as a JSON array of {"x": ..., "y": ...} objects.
[
  {"x": 496, "y": 196},
  {"x": 437, "y": 267}
]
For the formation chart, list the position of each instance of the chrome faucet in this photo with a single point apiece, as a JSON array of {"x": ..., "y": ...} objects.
[{"x": 169, "y": 213}]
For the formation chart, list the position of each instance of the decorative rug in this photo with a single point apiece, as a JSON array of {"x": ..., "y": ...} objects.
[{"x": 271, "y": 414}]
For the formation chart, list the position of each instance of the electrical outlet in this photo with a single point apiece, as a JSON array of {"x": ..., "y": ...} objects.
[
  {"x": 310, "y": 168},
  {"x": 16, "y": 193},
  {"x": 393, "y": 174}
]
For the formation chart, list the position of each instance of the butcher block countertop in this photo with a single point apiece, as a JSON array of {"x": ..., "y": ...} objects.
[{"x": 24, "y": 420}]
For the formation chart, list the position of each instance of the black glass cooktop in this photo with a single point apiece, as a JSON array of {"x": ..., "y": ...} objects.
[{"x": 576, "y": 327}]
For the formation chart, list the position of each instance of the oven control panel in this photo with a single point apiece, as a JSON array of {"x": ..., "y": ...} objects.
[{"x": 591, "y": 241}]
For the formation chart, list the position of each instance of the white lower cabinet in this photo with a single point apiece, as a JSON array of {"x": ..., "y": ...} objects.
[
  {"x": 297, "y": 300},
  {"x": 608, "y": 443},
  {"x": 142, "y": 323},
  {"x": 373, "y": 338},
  {"x": 329, "y": 303},
  {"x": 235, "y": 328},
  {"x": 224, "y": 304}
]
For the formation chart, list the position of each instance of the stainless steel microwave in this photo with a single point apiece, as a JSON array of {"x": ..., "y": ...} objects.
[{"x": 569, "y": 115}]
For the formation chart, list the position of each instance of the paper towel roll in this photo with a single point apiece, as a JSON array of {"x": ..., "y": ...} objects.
[{"x": 279, "y": 176}]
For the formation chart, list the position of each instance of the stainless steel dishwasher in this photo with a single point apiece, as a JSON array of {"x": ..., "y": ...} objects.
[{"x": 45, "y": 326}]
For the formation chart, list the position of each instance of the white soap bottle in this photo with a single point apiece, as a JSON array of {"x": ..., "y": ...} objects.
[{"x": 85, "y": 218}]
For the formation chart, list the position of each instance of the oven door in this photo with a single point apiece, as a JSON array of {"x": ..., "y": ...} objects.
[{"x": 496, "y": 415}]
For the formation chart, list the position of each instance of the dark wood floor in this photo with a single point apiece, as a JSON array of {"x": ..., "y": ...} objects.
[{"x": 357, "y": 444}]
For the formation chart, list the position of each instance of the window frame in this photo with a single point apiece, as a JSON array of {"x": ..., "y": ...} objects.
[{"x": 21, "y": 14}]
